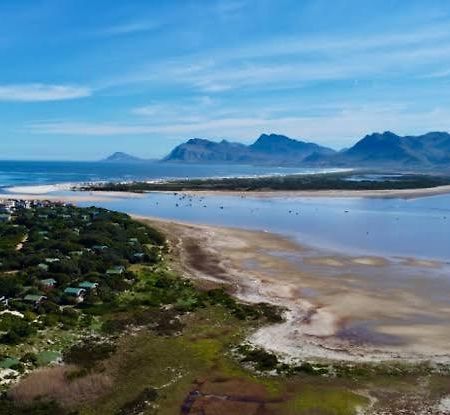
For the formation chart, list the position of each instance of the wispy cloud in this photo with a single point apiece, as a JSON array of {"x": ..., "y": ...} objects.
[
  {"x": 41, "y": 92},
  {"x": 128, "y": 28},
  {"x": 230, "y": 7},
  {"x": 301, "y": 59},
  {"x": 188, "y": 110},
  {"x": 342, "y": 127}
]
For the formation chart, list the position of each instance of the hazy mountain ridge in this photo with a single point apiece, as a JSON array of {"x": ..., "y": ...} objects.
[
  {"x": 121, "y": 157},
  {"x": 374, "y": 150},
  {"x": 267, "y": 149},
  {"x": 431, "y": 149}
]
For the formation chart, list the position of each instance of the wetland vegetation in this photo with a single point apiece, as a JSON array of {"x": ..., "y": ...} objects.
[{"x": 300, "y": 182}]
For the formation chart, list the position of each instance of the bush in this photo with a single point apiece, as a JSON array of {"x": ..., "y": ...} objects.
[
  {"x": 30, "y": 358},
  {"x": 139, "y": 404},
  {"x": 89, "y": 352},
  {"x": 262, "y": 360},
  {"x": 16, "y": 329}
]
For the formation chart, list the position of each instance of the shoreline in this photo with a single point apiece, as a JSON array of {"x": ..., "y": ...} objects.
[
  {"x": 101, "y": 195},
  {"x": 334, "y": 310},
  {"x": 389, "y": 193},
  {"x": 328, "y": 317}
]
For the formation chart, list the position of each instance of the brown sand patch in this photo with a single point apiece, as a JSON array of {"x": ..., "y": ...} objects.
[
  {"x": 371, "y": 261},
  {"x": 325, "y": 261},
  {"x": 414, "y": 262}
]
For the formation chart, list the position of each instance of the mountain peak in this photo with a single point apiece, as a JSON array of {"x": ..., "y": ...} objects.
[
  {"x": 267, "y": 149},
  {"x": 387, "y": 135},
  {"x": 120, "y": 156},
  {"x": 265, "y": 138}
]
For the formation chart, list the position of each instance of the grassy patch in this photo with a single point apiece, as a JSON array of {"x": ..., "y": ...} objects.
[{"x": 325, "y": 401}]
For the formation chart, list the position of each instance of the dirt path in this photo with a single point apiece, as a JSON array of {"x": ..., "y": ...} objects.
[{"x": 20, "y": 245}]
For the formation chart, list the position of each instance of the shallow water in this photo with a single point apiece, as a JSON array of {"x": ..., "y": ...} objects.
[{"x": 389, "y": 227}]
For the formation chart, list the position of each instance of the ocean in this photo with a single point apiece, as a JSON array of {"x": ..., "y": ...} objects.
[{"x": 41, "y": 173}]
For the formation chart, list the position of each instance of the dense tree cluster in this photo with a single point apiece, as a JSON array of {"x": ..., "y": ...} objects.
[{"x": 54, "y": 257}]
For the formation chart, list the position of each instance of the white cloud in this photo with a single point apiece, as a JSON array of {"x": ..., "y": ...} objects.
[
  {"x": 41, "y": 92},
  {"x": 129, "y": 28},
  {"x": 189, "y": 110},
  {"x": 341, "y": 128},
  {"x": 301, "y": 59}
]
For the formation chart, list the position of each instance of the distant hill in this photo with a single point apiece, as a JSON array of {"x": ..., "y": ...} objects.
[
  {"x": 199, "y": 150},
  {"x": 431, "y": 150},
  {"x": 380, "y": 149},
  {"x": 267, "y": 149},
  {"x": 120, "y": 157}
]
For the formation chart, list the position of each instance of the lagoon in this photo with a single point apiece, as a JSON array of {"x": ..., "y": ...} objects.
[{"x": 369, "y": 226}]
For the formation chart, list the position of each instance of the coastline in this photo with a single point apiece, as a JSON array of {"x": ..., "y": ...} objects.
[
  {"x": 391, "y": 193},
  {"x": 334, "y": 313},
  {"x": 98, "y": 196}
]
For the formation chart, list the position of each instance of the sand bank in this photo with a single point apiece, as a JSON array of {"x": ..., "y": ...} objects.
[
  {"x": 339, "y": 307},
  {"x": 391, "y": 193}
]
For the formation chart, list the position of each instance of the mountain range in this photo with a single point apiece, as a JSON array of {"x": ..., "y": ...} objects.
[{"x": 375, "y": 150}]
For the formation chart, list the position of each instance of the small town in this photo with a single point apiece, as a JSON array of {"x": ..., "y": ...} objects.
[{"x": 58, "y": 260}]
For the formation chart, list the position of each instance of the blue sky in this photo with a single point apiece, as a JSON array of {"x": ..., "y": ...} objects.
[{"x": 80, "y": 79}]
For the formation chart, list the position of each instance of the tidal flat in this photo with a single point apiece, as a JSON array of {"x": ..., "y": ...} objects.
[{"x": 339, "y": 307}]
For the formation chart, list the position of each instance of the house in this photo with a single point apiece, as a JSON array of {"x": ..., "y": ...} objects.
[
  {"x": 77, "y": 293},
  {"x": 36, "y": 299},
  {"x": 4, "y": 301},
  {"x": 117, "y": 270},
  {"x": 139, "y": 255},
  {"x": 5, "y": 217},
  {"x": 48, "y": 283},
  {"x": 43, "y": 267},
  {"x": 51, "y": 260},
  {"x": 88, "y": 286},
  {"x": 133, "y": 240},
  {"x": 99, "y": 247}
]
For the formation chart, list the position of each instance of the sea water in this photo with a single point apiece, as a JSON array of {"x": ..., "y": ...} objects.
[{"x": 44, "y": 174}]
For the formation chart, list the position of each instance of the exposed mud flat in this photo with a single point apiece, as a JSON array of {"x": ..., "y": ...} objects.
[{"x": 339, "y": 307}]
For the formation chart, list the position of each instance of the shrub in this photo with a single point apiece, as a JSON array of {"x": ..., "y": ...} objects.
[
  {"x": 89, "y": 352},
  {"x": 262, "y": 360}
]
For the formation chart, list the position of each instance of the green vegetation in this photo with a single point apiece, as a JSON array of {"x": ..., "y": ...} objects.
[
  {"x": 142, "y": 340},
  {"x": 326, "y": 401},
  {"x": 326, "y": 181}
]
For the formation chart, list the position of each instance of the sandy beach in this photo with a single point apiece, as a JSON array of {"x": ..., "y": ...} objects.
[
  {"x": 98, "y": 196},
  {"x": 391, "y": 193},
  {"x": 352, "y": 308}
]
